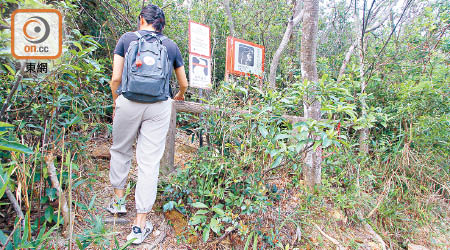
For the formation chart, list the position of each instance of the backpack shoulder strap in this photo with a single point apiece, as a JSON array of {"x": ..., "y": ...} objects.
[
  {"x": 162, "y": 38},
  {"x": 138, "y": 34}
]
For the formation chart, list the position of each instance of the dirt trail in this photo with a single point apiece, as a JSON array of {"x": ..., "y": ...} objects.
[{"x": 100, "y": 150}]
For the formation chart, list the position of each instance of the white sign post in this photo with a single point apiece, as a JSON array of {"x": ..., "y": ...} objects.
[
  {"x": 199, "y": 60},
  {"x": 199, "y": 56}
]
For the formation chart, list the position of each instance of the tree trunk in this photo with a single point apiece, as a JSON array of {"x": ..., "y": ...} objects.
[
  {"x": 293, "y": 21},
  {"x": 226, "y": 3},
  {"x": 360, "y": 27},
  {"x": 312, "y": 169},
  {"x": 364, "y": 133}
]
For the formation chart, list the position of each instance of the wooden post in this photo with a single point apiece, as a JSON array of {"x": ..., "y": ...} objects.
[{"x": 168, "y": 159}]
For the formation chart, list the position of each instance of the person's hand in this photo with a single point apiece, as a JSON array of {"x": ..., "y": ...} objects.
[{"x": 179, "y": 96}]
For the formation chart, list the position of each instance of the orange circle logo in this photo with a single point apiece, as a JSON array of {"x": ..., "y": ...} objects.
[{"x": 36, "y": 29}]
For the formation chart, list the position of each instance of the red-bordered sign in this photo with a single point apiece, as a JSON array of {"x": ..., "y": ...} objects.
[
  {"x": 244, "y": 58},
  {"x": 199, "y": 39}
]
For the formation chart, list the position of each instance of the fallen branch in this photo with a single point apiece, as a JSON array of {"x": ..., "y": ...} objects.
[
  {"x": 197, "y": 108},
  {"x": 14, "y": 203},
  {"x": 333, "y": 240},
  {"x": 13, "y": 200},
  {"x": 62, "y": 198}
]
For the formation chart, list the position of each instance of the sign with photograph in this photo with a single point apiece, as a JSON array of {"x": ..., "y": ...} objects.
[
  {"x": 244, "y": 57},
  {"x": 199, "y": 72},
  {"x": 199, "y": 39}
]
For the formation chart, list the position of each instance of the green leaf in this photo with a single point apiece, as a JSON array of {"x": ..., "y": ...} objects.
[
  {"x": 199, "y": 205},
  {"x": 255, "y": 242},
  {"x": 5, "y": 125},
  {"x": 281, "y": 137},
  {"x": 169, "y": 206},
  {"x": 325, "y": 141},
  {"x": 14, "y": 146},
  {"x": 196, "y": 219},
  {"x": 3, "y": 238},
  {"x": 206, "y": 233},
  {"x": 263, "y": 131},
  {"x": 74, "y": 186},
  {"x": 49, "y": 214},
  {"x": 218, "y": 211},
  {"x": 215, "y": 226},
  {"x": 51, "y": 193},
  {"x": 91, "y": 204},
  {"x": 277, "y": 161},
  {"x": 78, "y": 45},
  {"x": 4, "y": 181},
  {"x": 316, "y": 144},
  {"x": 11, "y": 70},
  {"x": 247, "y": 243},
  {"x": 202, "y": 212}
]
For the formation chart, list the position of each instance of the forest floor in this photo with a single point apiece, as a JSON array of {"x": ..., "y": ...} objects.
[{"x": 278, "y": 219}]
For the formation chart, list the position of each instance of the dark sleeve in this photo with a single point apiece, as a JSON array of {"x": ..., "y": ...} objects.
[
  {"x": 178, "y": 62},
  {"x": 120, "y": 47}
]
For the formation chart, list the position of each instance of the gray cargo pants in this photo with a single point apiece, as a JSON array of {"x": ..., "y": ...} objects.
[{"x": 150, "y": 123}]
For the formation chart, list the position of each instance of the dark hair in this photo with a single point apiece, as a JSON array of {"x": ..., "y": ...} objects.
[{"x": 155, "y": 16}]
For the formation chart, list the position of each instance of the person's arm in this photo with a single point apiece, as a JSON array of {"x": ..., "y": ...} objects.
[
  {"x": 116, "y": 76},
  {"x": 182, "y": 81}
]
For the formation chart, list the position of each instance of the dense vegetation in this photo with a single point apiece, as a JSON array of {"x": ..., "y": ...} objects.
[{"x": 252, "y": 162}]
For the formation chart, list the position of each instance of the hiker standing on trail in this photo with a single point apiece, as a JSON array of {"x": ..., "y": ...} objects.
[{"x": 142, "y": 67}]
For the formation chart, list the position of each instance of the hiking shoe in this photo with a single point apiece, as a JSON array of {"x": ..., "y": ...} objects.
[
  {"x": 116, "y": 207},
  {"x": 138, "y": 235}
]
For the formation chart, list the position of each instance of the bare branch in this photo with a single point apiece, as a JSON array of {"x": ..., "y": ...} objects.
[
  {"x": 348, "y": 55},
  {"x": 293, "y": 21},
  {"x": 123, "y": 17},
  {"x": 386, "y": 13}
]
